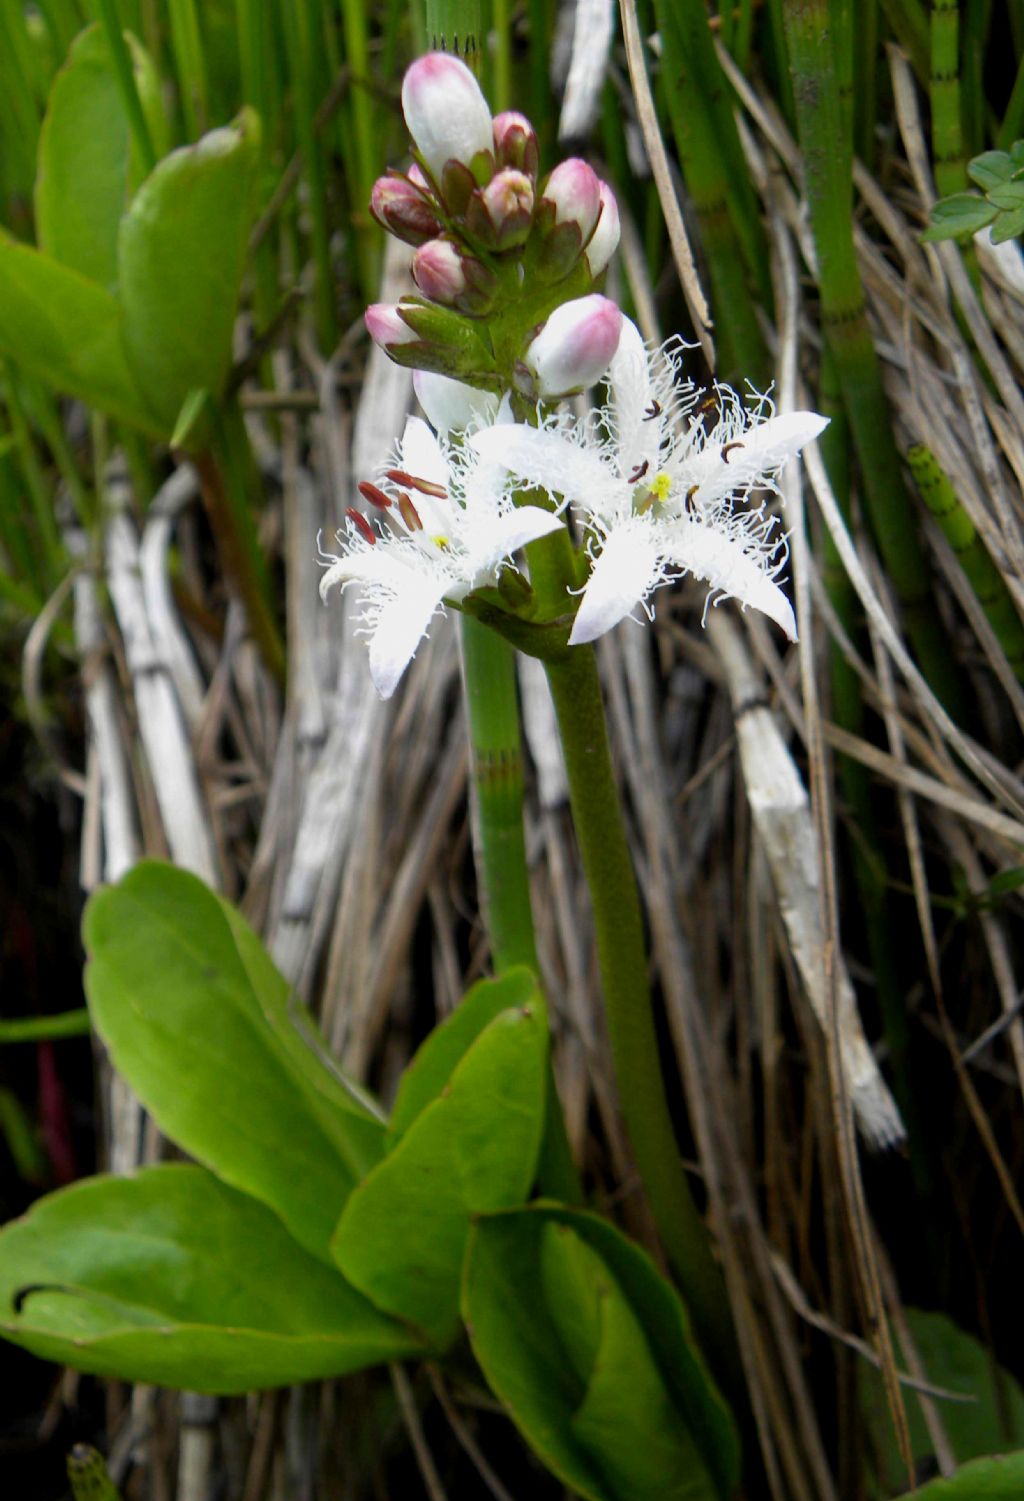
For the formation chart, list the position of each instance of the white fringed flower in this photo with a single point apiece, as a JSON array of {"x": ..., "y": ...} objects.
[
  {"x": 663, "y": 479},
  {"x": 449, "y": 524}
]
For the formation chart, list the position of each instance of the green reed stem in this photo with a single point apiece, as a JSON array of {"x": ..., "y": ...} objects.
[
  {"x": 125, "y": 76},
  {"x": 190, "y": 64},
  {"x": 364, "y": 149},
  {"x": 302, "y": 72},
  {"x": 909, "y": 23},
  {"x": 947, "y": 133},
  {"x": 39, "y": 491},
  {"x": 1012, "y": 127},
  {"x": 972, "y": 554},
  {"x": 503, "y": 876},
  {"x": 828, "y": 187},
  {"x": 43, "y": 1028},
  {"x": 699, "y": 107}
]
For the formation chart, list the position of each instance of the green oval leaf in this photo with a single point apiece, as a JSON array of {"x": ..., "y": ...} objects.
[
  {"x": 68, "y": 330},
  {"x": 200, "y": 1023},
  {"x": 402, "y": 1236},
  {"x": 1008, "y": 226},
  {"x": 590, "y": 1351},
  {"x": 990, "y": 169},
  {"x": 173, "y": 1278},
  {"x": 181, "y": 252},
  {"x": 1008, "y": 195},
  {"x": 88, "y": 168}
]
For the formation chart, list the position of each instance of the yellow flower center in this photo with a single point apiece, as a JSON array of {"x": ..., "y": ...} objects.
[
  {"x": 442, "y": 542},
  {"x": 660, "y": 487}
]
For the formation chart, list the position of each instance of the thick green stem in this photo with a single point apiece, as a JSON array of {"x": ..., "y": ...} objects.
[
  {"x": 503, "y": 875},
  {"x": 622, "y": 957}
]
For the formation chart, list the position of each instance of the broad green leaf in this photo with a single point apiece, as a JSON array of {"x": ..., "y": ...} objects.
[
  {"x": 956, "y": 1361},
  {"x": 198, "y": 1020},
  {"x": 990, "y": 169},
  {"x": 997, "y": 1478},
  {"x": 1008, "y": 226},
  {"x": 174, "y": 1278},
  {"x": 402, "y": 1235},
  {"x": 430, "y": 1070},
  {"x": 181, "y": 252},
  {"x": 617, "y": 1403},
  {"x": 87, "y": 166},
  {"x": 959, "y": 215},
  {"x": 59, "y": 325}
]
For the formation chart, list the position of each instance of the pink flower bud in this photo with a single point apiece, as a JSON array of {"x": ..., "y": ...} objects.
[
  {"x": 445, "y": 111},
  {"x": 575, "y": 346},
  {"x": 574, "y": 191},
  {"x": 385, "y": 327},
  {"x": 400, "y": 207},
  {"x": 437, "y": 271},
  {"x": 605, "y": 240},
  {"x": 500, "y": 214},
  {"x": 515, "y": 142}
]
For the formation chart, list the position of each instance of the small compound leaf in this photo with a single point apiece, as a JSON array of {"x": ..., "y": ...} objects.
[
  {"x": 197, "y": 1020},
  {"x": 87, "y": 164},
  {"x": 174, "y": 1278},
  {"x": 1008, "y": 226},
  {"x": 990, "y": 169},
  {"x": 402, "y": 1236},
  {"x": 958, "y": 216},
  {"x": 181, "y": 252}
]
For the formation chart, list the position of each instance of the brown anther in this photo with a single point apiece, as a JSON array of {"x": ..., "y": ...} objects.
[
  {"x": 654, "y": 410},
  {"x": 424, "y": 486},
  {"x": 639, "y": 472},
  {"x": 727, "y": 450},
  {"x": 409, "y": 513},
  {"x": 374, "y": 495},
  {"x": 691, "y": 492},
  {"x": 361, "y": 524}
]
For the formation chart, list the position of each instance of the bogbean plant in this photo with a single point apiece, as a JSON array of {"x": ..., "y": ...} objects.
[{"x": 313, "y": 1234}]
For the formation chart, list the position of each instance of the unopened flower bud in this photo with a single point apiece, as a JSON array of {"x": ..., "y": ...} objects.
[
  {"x": 451, "y": 405},
  {"x": 575, "y": 346},
  {"x": 500, "y": 214},
  {"x": 574, "y": 191},
  {"x": 437, "y": 271},
  {"x": 605, "y": 240},
  {"x": 399, "y": 206},
  {"x": 515, "y": 142},
  {"x": 385, "y": 327},
  {"x": 445, "y": 111}
]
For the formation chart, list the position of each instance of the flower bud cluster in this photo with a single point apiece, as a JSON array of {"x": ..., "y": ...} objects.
[{"x": 493, "y": 240}]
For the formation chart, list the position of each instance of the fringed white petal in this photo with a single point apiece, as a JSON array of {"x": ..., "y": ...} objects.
[
  {"x": 628, "y": 568},
  {"x": 515, "y": 528},
  {"x": 451, "y": 405},
  {"x": 365, "y": 565},
  {"x": 553, "y": 463},
  {"x": 732, "y": 570},
  {"x": 637, "y": 425},
  {"x": 397, "y": 625},
  {"x": 750, "y": 457}
]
